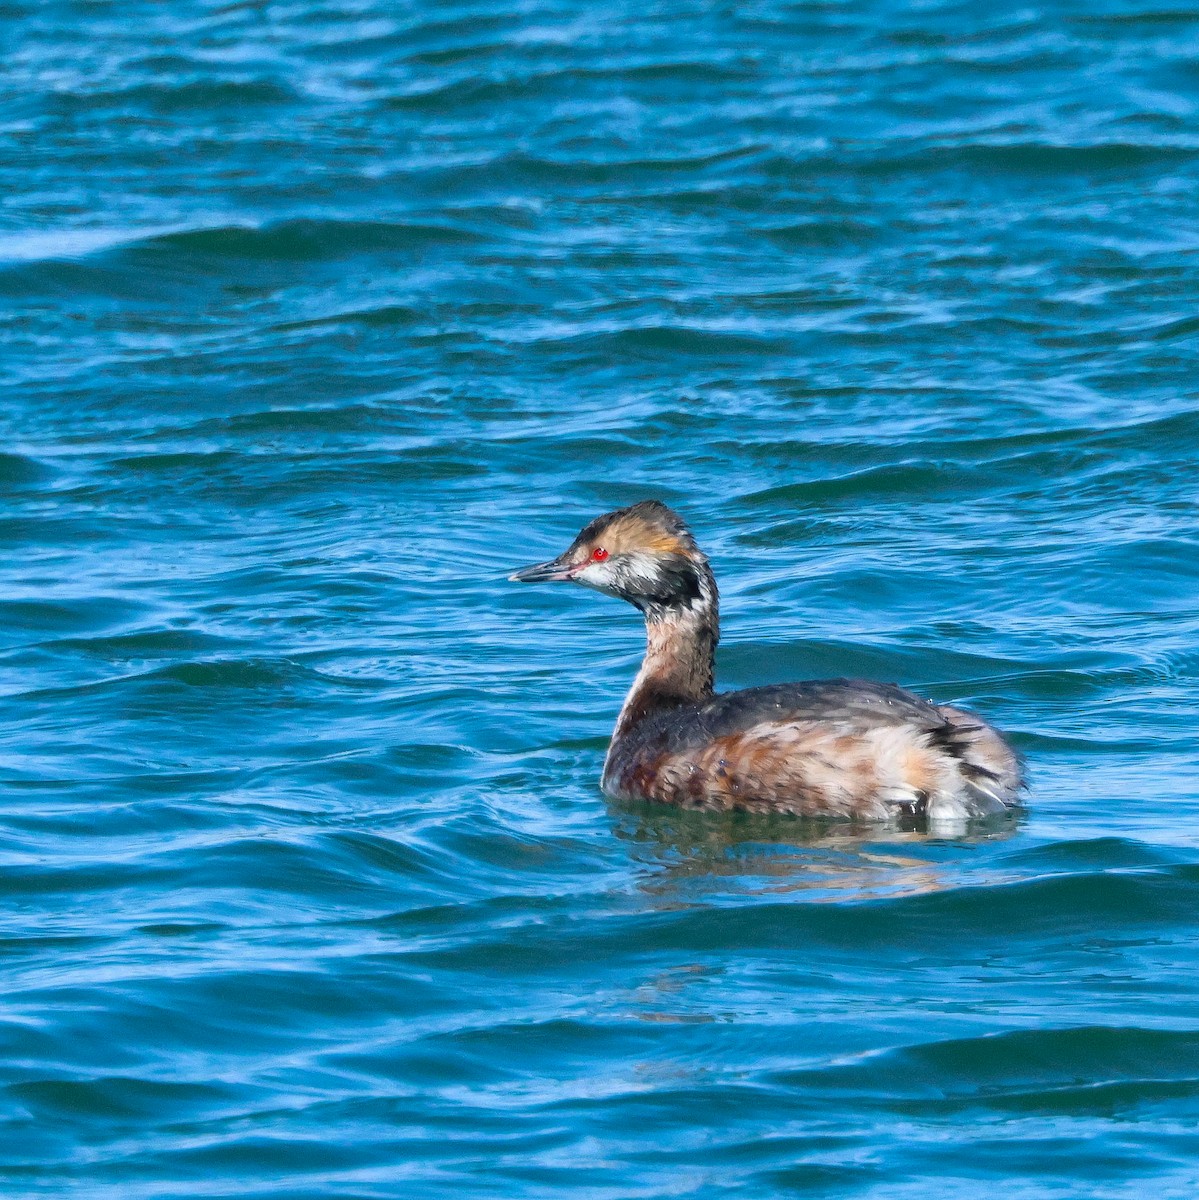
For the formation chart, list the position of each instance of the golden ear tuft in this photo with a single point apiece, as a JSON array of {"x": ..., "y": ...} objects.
[
  {"x": 664, "y": 543},
  {"x": 633, "y": 532}
]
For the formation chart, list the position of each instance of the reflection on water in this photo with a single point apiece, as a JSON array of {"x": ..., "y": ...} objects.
[
  {"x": 689, "y": 855},
  {"x": 670, "y": 998}
]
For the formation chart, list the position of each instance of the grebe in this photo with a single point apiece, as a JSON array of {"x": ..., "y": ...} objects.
[{"x": 837, "y": 748}]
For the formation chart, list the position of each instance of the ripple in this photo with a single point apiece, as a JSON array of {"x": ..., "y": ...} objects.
[
  {"x": 174, "y": 97},
  {"x": 18, "y": 473},
  {"x": 1021, "y": 1069}
]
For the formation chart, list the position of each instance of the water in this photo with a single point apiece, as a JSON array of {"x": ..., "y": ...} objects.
[{"x": 318, "y": 320}]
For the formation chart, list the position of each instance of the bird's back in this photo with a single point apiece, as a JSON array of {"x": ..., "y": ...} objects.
[{"x": 841, "y": 748}]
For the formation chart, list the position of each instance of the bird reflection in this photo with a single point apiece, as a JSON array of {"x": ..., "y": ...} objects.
[{"x": 692, "y": 856}]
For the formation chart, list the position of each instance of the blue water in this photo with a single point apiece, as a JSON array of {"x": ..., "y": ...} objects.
[{"x": 318, "y": 319}]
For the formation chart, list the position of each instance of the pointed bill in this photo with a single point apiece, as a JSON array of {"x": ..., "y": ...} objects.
[{"x": 557, "y": 570}]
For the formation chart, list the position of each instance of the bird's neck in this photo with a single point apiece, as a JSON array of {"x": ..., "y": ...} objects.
[{"x": 679, "y": 664}]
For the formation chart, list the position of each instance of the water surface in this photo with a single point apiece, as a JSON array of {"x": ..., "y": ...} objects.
[{"x": 317, "y": 321}]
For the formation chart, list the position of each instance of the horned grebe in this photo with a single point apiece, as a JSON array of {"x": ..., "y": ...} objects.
[{"x": 840, "y": 748}]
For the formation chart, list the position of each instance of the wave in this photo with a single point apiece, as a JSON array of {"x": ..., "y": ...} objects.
[
  {"x": 178, "y": 96},
  {"x": 295, "y": 239},
  {"x": 19, "y": 472},
  {"x": 308, "y": 239},
  {"x": 945, "y": 921},
  {"x": 1019, "y": 1070},
  {"x": 476, "y": 90}
]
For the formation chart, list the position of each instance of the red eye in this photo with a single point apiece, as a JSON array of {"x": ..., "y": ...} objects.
[{"x": 599, "y": 554}]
